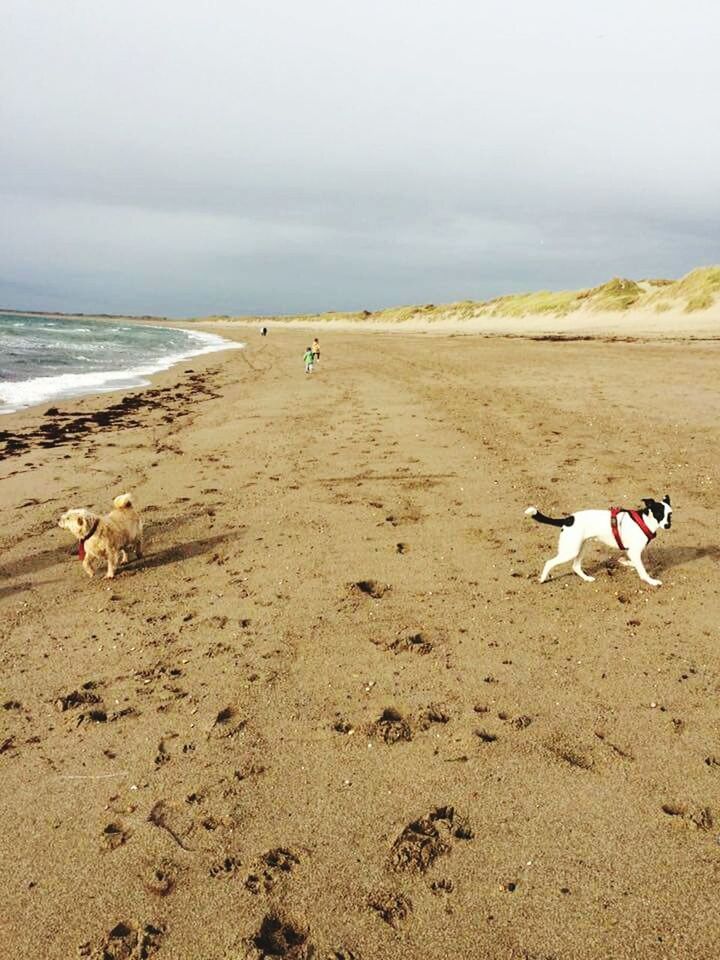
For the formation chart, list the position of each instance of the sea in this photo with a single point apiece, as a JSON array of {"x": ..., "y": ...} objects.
[{"x": 47, "y": 358}]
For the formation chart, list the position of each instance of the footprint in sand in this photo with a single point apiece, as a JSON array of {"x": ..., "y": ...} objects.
[
  {"x": 270, "y": 869},
  {"x": 424, "y": 840},
  {"x": 413, "y": 643},
  {"x": 391, "y": 727},
  {"x": 700, "y": 817},
  {"x": 573, "y": 754},
  {"x": 434, "y": 713},
  {"x": 393, "y": 908},
  {"x": 162, "y": 757},
  {"x": 281, "y": 936},
  {"x": 78, "y": 698},
  {"x": 227, "y": 867},
  {"x": 125, "y": 942},
  {"x": 115, "y": 835},
  {"x": 370, "y": 588},
  {"x": 160, "y": 877}
]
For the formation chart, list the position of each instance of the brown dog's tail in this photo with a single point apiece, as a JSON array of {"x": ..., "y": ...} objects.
[{"x": 123, "y": 501}]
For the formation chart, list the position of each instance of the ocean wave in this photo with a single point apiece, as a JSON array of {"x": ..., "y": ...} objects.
[
  {"x": 67, "y": 328},
  {"x": 24, "y": 393}
]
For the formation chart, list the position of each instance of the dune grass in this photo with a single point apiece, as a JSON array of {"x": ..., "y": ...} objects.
[
  {"x": 616, "y": 294},
  {"x": 531, "y": 304},
  {"x": 701, "y": 288},
  {"x": 697, "y": 290}
]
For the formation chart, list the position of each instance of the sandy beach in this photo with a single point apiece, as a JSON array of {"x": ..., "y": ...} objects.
[{"x": 332, "y": 713}]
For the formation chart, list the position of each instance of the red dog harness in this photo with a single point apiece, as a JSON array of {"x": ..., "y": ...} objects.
[{"x": 637, "y": 517}]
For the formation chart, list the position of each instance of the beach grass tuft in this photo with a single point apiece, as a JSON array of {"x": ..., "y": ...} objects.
[{"x": 616, "y": 294}]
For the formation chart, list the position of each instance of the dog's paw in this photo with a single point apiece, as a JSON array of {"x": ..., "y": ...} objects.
[{"x": 655, "y": 583}]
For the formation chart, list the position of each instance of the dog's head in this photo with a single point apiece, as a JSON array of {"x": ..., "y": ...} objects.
[
  {"x": 78, "y": 522},
  {"x": 661, "y": 511}
]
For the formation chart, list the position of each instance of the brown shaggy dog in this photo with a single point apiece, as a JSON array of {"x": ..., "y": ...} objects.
[{"x": 105, "y": 538}]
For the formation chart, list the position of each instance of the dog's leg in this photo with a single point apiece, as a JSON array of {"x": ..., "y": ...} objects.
[
  {"x": 551, "y": 564},
  {"x": 626, "y": 562},
  {"x": 123, "y": 557},
  {"x": 577, "y": 568},
  {"x": 87, "y": 566},
  {"x": 112, "y": 562},
  {"x": 636, "y": 561},
  {"x": 569, "y": 547},
  {"x": 138, "y": 548}
]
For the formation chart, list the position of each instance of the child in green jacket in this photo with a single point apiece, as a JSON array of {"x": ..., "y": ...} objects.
[{"x": 308, "y": 360}]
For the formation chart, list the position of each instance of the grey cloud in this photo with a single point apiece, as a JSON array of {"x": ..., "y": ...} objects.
[{"x": 274, "y": 156}]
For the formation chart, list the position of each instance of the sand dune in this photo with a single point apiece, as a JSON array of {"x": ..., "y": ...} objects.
[{"x": 686, "y": 307}]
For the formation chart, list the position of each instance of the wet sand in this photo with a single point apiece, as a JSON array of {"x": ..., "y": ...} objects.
[{"x": 332, "y": 713}]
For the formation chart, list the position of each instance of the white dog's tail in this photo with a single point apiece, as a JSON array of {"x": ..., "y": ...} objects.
[
  {"x": 555, "y": 522},
  {"x": 123, "y": 501}
]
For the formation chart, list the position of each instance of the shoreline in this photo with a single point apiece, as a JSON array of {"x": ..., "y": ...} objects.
[
  {"x": 55, "y": 315},
  {"x": 112, "y": 381},
  {"x": 674, "y": 323},
  {"x": 541, "y": 331}
]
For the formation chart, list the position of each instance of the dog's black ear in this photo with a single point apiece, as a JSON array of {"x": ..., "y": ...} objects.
[
  {"x": 666, "y": 499},
  {"x": 655, "y": 508}
]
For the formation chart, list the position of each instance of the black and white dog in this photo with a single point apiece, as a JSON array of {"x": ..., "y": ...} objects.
[{"x": 629, "y": 530}]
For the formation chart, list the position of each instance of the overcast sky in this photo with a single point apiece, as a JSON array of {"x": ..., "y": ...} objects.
[{"x": 233, "y": 156}]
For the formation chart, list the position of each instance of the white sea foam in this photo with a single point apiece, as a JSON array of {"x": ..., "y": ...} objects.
[{"x": 15, "y": 394}]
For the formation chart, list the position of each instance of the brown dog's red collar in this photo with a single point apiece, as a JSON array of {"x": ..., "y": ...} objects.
[{"x": 81, "y": 543}]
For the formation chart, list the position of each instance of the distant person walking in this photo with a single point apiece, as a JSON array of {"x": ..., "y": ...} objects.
[
  {"x": 308, "y": 360},
  {"x": 316, "y": 349},
  {"x": 263, "y": 331}
]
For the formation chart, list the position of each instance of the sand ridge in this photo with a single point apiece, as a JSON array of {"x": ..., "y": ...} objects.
[
  {"x": 675, "y": 323},
  {"x": 332, "y": 713}
]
